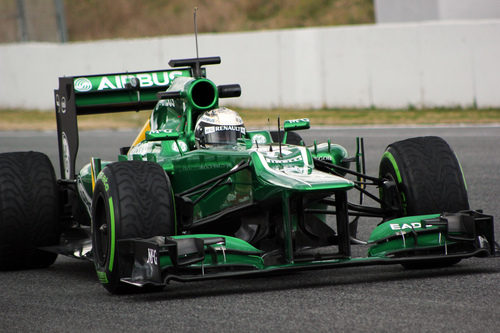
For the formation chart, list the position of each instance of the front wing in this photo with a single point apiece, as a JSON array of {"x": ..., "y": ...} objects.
[{"x": 158, "y": 260}]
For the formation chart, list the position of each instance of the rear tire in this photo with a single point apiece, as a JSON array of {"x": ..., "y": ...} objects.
[
  {"x": 429, "y": 180},
  {"x": 29, "y": 214},
  {"x": 132, "y": 199}
]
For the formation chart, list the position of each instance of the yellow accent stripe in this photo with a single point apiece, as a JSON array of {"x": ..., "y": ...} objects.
[
  {"x": 142, "y": 134},
  {"x": 92, "y": 173}
]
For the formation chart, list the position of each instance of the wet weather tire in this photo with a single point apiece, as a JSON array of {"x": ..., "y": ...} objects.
[
  {"x": 429, "y": 180},
  {"x": 132, "y": 199},
  {"x": 29, "y": 215},
  {"x": 428, "y": 176}
]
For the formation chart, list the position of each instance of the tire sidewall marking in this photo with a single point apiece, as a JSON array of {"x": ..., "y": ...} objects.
[{"x": 112, "y": 240}]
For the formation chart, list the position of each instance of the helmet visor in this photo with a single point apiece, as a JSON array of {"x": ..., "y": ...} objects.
[{"x": 223, "y": 134}]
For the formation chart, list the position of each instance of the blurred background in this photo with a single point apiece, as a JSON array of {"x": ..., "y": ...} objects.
[
  {"x": 288, "y": 54},
  {"x": 69, "y": 20}
]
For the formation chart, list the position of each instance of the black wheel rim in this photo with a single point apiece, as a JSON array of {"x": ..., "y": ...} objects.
[{"x": 392, "y": 198}]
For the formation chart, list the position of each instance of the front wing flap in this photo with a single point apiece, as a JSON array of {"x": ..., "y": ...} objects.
[{"x": 435, "y": 234}]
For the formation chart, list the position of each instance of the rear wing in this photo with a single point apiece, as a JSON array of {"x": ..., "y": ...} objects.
[{"x": 104, "y": 93}]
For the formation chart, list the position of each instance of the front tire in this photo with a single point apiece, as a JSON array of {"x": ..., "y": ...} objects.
[
  {"x": 428, "y": 180},
  {"x": 428, "y": 176},
  {"x": 132, "y": 199},
  {"x": 29, "y": 213}
]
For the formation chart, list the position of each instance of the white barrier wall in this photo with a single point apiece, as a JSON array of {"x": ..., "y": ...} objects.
[
  {"x": 435, "y": 10},
  {"x": 385, "y": 65}
]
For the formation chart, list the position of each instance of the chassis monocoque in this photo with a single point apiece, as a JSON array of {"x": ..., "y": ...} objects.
[{"x": 166, "y": 210}]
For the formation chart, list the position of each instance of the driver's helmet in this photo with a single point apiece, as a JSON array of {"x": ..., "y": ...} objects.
[{"x": 219, "y": 127}]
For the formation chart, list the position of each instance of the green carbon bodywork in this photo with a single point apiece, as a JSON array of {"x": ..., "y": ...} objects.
[
  {"x": 267, "y": 177},
  {"x": 407, "y": 229},
  {"x": 231, "y": 243}
]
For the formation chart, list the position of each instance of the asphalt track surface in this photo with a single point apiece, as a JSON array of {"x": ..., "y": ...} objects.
[{"x": 465, "y": 298}]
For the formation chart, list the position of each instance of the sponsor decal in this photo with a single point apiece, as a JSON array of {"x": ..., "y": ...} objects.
[
  {"x": 413, "y": 225},
  {"x": 144, "y": 148},
  {"x": 102, "y": 277},
  {"x": 119, "y": 81},
  {"x": 104, "y": 181},
  {"x": 324, "y": 158},
  {"x": 259, "y": 138},
  {"x": 65, "y": 149},
  {"x": 145, "y": 80},
  {"x": 290, "y": 161},
  {"x": 214, "y": 165},
  {"x": 82, "y": 84},
  {"x": 58, "y": 103},
  {"x": 207, "y": 119},
  {"x": 152, "y": 257},
  {"x": 168, "y": 130},
  {"x": 168, "y": 103},
  {"x": 181, "y": 144},
  {"x": 284, "y": 161},
  {"x": 63, "y": 104},
  {"x": 213, "y": 129},
  {"x": 221, "y": 115}
]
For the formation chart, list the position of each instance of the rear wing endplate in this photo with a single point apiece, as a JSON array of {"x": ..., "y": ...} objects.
[{"x": 103, "y": 93}]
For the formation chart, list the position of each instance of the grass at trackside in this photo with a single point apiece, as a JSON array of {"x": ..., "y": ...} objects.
[
  {"x": 350, "y": 117},
  {"x": 45, "y": 120}
]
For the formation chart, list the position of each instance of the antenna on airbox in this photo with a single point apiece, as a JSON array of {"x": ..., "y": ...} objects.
[
  {"x": 279, "y": 135},
  {"x": 195, "y": 30}
]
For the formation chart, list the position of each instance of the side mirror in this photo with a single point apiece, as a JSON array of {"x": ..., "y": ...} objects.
[
  {"x": 296, "y": 124},
  {"x": 229, "y": 90}
]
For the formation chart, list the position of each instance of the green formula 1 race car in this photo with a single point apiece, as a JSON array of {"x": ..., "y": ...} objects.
[{"x": 198, "y": 196}]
